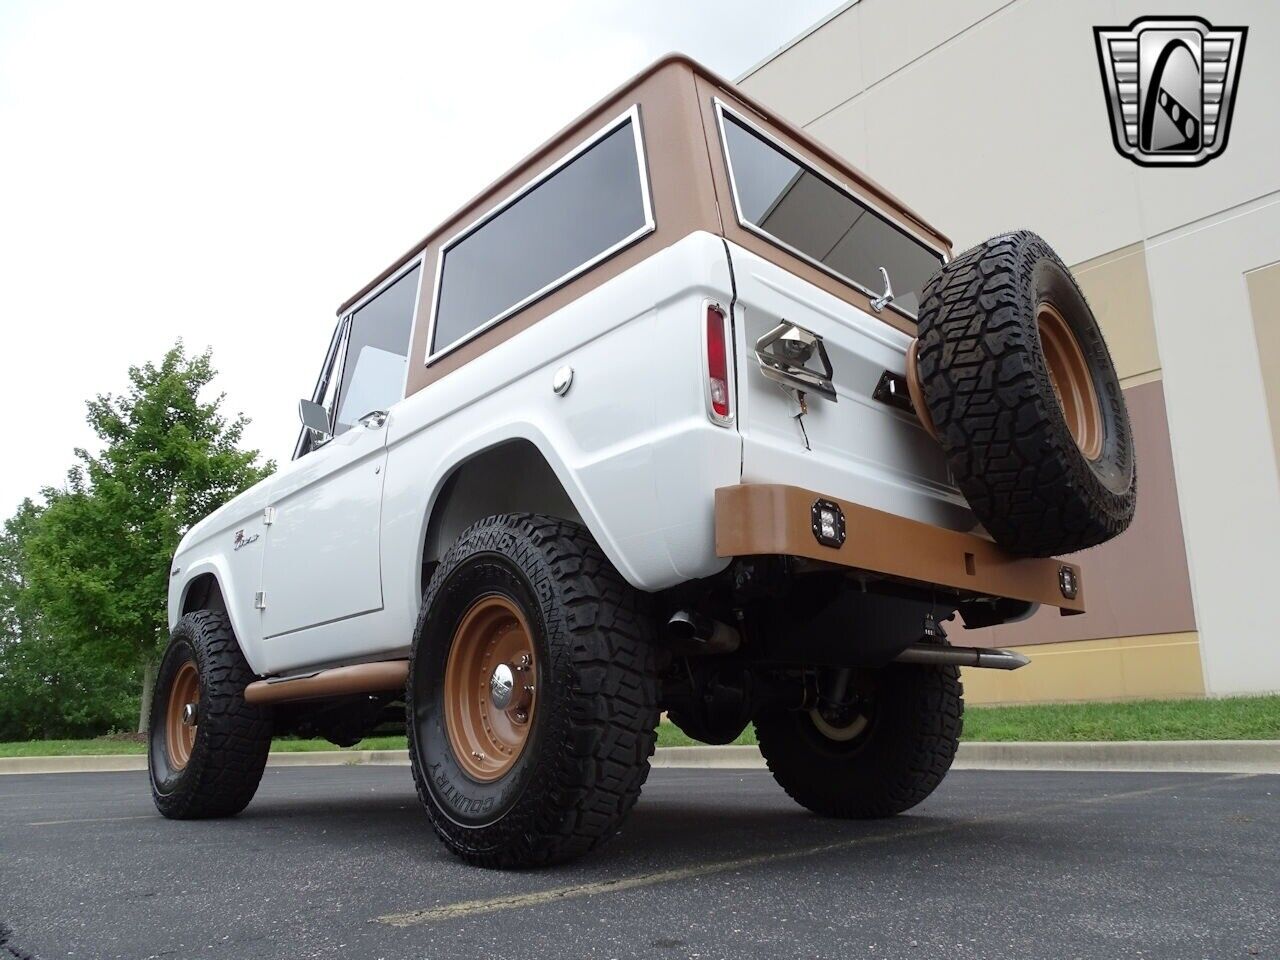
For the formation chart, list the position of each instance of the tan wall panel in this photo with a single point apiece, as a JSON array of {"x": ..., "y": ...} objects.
[
  {"x": 895, "y": 33},
  {"x": 1246, "y": 169},
  {"x": 1118, "y": 668},
  {"x": 1228, "y": 479},
  {"x": 1264, "y": 301},
  {"x": 1116, "y": 287},
  {"x": 816, "y": 74},
  {"x": 1138, "y": 583},
  {"x": 941, "y": 131}
]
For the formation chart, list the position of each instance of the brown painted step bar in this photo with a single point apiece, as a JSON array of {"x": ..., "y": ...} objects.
[
  {"x": 385, "y": 676},
  {"x": 754, "y": 519}
]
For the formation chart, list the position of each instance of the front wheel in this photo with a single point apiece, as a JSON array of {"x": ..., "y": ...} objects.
[
  {"x": 207, "y": 746},
  {"x": 875, "y": 760},
  {"x": 532, "y": 700}
]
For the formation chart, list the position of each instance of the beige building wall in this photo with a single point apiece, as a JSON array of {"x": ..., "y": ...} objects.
[
  {"x": 1264, "y": 301},
  {"x": 1152, "y": 666},
  {"x": 989, "y": 115}
]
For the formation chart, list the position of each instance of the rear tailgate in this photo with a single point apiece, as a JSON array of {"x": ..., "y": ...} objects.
[{"x": 855, "y": 448}]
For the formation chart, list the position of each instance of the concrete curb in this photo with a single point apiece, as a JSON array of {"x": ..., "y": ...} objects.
[
  {"x": 103, "y": 764},
  {"x": 719, "y": 758},
  {"x": 1156, "y": 756},
  {"x": 1172, "y": 756}
]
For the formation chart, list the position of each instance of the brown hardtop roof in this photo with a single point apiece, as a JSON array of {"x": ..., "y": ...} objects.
[{"x": 563, "y": 140}]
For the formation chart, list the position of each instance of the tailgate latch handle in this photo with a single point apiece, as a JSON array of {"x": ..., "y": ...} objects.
[
  {"x": 882, "y": 301},
  {"x": 784, "y": 354}
]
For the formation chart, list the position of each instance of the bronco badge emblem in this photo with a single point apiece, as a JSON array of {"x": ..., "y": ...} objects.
[{"x": 1170, "y": 84}]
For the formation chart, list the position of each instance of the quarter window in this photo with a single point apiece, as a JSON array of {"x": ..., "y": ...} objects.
[
  {"x": 586, "y": 209},
  {"x": 798, "y": 208}
]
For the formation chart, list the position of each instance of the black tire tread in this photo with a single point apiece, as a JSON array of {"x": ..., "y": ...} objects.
[
  {"x": 891, "y": 776},
  {"x": 609, "y": 733},
  {"x": 233, "y": 738},
  {"x": 988, "y": 391}
]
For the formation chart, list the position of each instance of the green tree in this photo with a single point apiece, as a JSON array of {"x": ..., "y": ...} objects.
[
  {"x": 97, "y": 562},
  {"x": 17, "y": 617},
  {"x": 47, "y": 690}
]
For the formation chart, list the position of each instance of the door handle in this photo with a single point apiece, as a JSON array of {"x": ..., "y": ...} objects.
[{"x": 374, "y": 420}]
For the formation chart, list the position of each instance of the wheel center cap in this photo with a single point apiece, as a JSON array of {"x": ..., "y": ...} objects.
[{"x": 502, "y": 685}]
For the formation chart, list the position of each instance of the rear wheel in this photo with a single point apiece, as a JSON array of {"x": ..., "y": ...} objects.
[
  {"x": 876, "y": 758},
  {"x": 532, "y": 694},
  {"x": 207, "y": 746}
]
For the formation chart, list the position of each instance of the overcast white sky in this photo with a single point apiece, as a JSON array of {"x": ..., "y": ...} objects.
[{"x": 230, "y": 172}]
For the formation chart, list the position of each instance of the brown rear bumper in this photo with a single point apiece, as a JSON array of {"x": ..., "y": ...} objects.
[{"x": 766, "y": 518}]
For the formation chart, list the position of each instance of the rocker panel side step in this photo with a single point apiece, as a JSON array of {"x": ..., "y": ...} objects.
[{"x": 384, "y": 676}]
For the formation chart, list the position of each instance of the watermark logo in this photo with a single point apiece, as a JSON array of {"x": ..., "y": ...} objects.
[{"x": 1170, "y": 84}]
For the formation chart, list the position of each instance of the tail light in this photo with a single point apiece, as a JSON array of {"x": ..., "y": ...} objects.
[{"x": 719, "y": 390}]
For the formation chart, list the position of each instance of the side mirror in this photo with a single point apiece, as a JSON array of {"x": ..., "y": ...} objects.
[{"x": 315, "y": 418}]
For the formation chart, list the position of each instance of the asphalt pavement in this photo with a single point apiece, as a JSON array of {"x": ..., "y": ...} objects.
[{"x": 340, "y": 862}]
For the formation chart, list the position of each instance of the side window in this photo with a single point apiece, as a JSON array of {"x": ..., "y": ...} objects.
[
  {"x": 591, "y": 205},
  {"x": 377, "y": 352}
]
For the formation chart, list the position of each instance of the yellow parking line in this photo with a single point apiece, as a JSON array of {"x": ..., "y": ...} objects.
[
  {"x": 517, "y": 901},
  {"x": 470, "y": 908},
  {"x": 56, "y": 823}
]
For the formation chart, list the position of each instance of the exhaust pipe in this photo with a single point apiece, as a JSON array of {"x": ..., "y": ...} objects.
[
  {"x": 691, "y": 632},
  {"x": 932, "y": 653}
]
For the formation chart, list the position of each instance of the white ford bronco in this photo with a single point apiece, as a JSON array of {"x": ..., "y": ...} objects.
[{"x": 683, "y": 414}]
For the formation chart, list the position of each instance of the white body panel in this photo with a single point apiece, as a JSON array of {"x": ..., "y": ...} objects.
[
  {"x": 859, "y": 448},
  {"x": 323, "y": 542},
  {"x": 210, "y": 548},
  {"x": 631, "y": 443}
]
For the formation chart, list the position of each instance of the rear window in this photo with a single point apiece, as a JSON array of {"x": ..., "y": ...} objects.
[
  {"x": 796, "y": 207},
  {"x": 591, "y": 205}
]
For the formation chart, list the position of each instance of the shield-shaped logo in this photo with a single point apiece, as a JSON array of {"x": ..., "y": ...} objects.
[{"x": 1170, "y": 84}]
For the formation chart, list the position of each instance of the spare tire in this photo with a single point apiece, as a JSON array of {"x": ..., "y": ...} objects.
[{"x": 1023, "y": 397}]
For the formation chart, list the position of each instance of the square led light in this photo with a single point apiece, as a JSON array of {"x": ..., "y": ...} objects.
[{"x": 827, "y": 523}]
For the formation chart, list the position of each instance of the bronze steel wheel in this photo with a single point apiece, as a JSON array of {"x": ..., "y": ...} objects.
[
  {"x": 182, "y": 715},
  {"x": 207, "y": 747},
  {"x": 916, "y": 392},
  {"x": 1072, "y": 380},
  {"x": 491, "y": 689},
  {"x": 532, "y": 703}
]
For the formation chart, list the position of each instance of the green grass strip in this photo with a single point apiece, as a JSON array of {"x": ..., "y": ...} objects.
[{"x": 1235, "y": 718}]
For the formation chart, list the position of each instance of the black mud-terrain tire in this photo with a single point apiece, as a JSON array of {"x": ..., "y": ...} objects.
[
  {"x": 905, "y": 749},
  {"x": 593, "y": 725},
  {"x": 232, "y": 737},
  {"x": 995, "y": 406}
]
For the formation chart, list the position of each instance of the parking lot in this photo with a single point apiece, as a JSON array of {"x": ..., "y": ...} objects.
[{"x": 339, "y": 862}]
